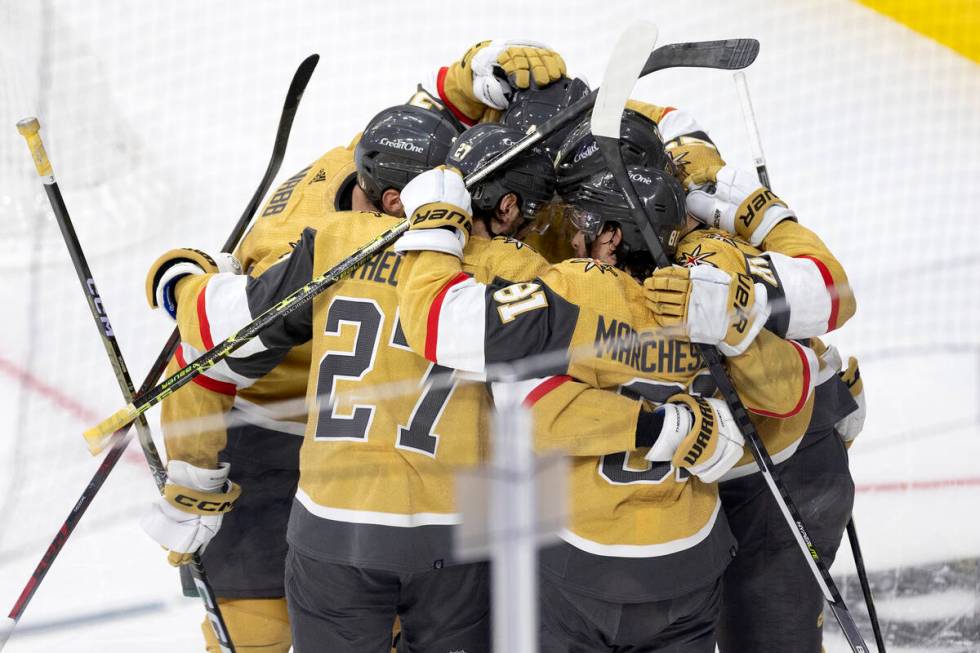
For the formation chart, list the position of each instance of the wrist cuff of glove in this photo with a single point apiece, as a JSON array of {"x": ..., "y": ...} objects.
[
  {"x": 758, "y": 214},
  {"x": 677, "y": 421},
  {"x": 447, "y": 241},
  {"x": 689, "y": 456},
  {"x": 199, "y": 502},
  {"x": 177, "y": 263}
]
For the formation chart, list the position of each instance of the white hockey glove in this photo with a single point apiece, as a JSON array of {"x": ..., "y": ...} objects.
[
  {"x": 699, "y": 435},
  {"x": 438, "y": 206},
  {"x": 189, "y": 513},
  {"x": 712, "y": 307},
  {"x": 499, "y": 67},
  {"x": 166, "y": 271},
  {"x": 851, "y": 426},
  {"x": 737, "y": 203}
]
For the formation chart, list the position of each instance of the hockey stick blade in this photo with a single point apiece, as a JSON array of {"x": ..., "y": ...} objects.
[
  {"x": 730, "y": 54},
  {"x": 293, "y": 96},
  {"x": 626, "y": 63},
  {"x": 707, "y": 54}
]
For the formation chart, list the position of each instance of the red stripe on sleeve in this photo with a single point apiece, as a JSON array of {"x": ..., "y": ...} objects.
[
  {"x": 432, "y": 324},
  {"x": 828, "y": 281},
  {"x": 666, "y": 111},
  {"x": 806, "y": 388},
  {"x": 205, "y": 382},
  {"x": 544, "y": 388},
  {"x": 202, "y": 319},
  {"x": 441, "y": 90}
]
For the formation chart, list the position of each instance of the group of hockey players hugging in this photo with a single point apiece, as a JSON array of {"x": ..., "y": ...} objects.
[{"x": 340, "y": 534}]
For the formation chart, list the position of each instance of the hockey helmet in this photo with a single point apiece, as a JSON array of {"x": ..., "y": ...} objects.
[
  {"x": 533, "y": 106},
  {"x": 529, "y": 175},
  {"x": 399, "y": 144},
  {"x": 579, "y": 158},
  {"x": 599, "y": 200}
]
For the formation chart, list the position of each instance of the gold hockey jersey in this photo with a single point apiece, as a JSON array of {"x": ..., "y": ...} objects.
[
  {"x": 586, "y": 322},
  {"x": 386, "y": 429},
  {"x": 193, "y": 420},
  {"x": 802, "y": 278}
]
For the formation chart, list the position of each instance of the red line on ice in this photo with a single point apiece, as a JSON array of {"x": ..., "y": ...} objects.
[
  {"x": 82, "y": 413},
  {"x": 904, "y": 486}
]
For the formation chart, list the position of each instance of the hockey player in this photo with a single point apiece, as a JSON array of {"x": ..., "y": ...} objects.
[
  {"x": 261, "y": 442},
  {"x": 808, "y": 294},
  {"x": 770, "y": 600},
  {"x": 647, "y": 541}
]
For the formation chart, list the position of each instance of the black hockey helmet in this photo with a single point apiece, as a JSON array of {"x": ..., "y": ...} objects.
[
  {"x": 532, "y": 106},
  {"x": 529, "y": 175},
  {"x": 598, "y": 201},
  {"x": 579, "y": 158},
  {"x": 399, "y": 144}
]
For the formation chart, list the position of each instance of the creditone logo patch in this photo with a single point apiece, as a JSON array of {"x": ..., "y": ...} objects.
[
  {"x": 399, "y": 144},
  {"x": 586, "y": 152}
]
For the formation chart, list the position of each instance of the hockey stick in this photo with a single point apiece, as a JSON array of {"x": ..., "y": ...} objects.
[
  {"x": 121, "y": 439},
  {"x": 755, "y": 143},
  {"x": 729, "y": 55},
  {"x": 606, "y": 122},
  {"x": 30, "y": 129},
  {"x": 869, "y": 601}
]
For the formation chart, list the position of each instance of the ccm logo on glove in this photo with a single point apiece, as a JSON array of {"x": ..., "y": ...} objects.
[{"x": 203, "y": 505}]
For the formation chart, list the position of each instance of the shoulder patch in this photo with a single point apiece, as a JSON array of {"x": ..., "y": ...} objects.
[
  {"x": 589, "y": 264},
  {"x": 694, "y": 257},
  {"x": 516, "y": 244}
]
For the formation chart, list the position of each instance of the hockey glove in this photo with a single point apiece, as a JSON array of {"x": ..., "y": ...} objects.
[
  {"x": 851, "y": 426},
  {"x": 438, "y": 206},
  {"x": 499, "y": 67},
  {"x": 166, "y": 271},
  {"x": 736, "y": 203},
  {"x": 189, "y": 513},
  {"x": 712, "y": 307},
  {"x": 696, "y": 159},
  {"x": 699, "y": 435}
]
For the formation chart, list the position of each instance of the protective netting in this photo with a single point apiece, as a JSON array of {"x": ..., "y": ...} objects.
[{"x": 159, "y": 120}]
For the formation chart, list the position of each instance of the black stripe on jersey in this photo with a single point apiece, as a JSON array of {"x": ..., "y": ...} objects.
[
  {"x": 392, "y": 548},
  {"x": 343, "y": 200},
  {"x": 544, "y": 328},
  {"x": 778, "y": 321},
  {"x": 700, "y": 135},
  {"x": 277, "y": 283}
]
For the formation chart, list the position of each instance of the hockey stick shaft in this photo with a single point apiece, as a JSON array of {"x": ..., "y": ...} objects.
[
  {"x": 755, "y": 143},
  {"x": 121, "y": 438},
  {"x": 728, "y": 55},
  {"x": 606, "y": 124},
  {"x": 30, "y": 130},
  {"x": 748, "y": 115},
  {"x": 869, "y": 601}
]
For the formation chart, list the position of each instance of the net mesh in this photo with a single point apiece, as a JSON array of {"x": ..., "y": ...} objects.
[{"x": 159, "y": 120}]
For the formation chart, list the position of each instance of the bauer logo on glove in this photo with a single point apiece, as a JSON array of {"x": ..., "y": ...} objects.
[{"x": 710, "y": 305}]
